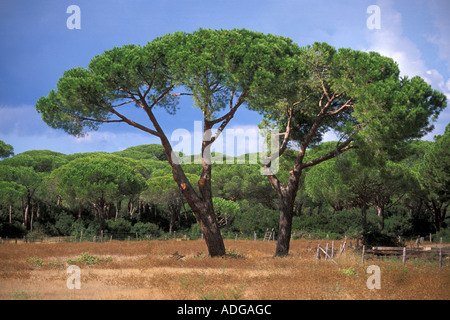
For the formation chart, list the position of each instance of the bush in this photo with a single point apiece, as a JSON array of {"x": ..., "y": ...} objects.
[
  {"x": 88, "y": 259},
  {"x": 118, "y": 226},
  {"x": 345, "y": 222},
  {"x": 255, "y": 217},
  {"x": 445, "y": 234},
  {"x": 372, "y": 236},
  {"x": 146, "y": 228},
  {"x": 314, "y": 222},
  {"x": 12, "y": 230},
  {"x": 196, "y": 231},
  {"x": 63, "y": 223},
  {"x": 90, "y": 229}
]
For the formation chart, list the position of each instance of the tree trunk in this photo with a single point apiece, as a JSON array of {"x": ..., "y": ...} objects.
[
  {"x": 25, "y": 217},
  {"x": 119, "y": 205},
  {"x": 286, "y": 207},
  {"x": 201, "y": 204},
  {"x": 204, "y": 212},
  {"x": 364, "y": 217},
  {"x": 380, "y": 212},
  {"x": 10, "y": 213},
  {"x": 31, "y": 219},
  {"x": 285, "y": 227},
  {"x": 211, "y": 232}
]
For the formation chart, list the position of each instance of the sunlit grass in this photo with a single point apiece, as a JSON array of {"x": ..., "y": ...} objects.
[{"x": 183, "y": 270}]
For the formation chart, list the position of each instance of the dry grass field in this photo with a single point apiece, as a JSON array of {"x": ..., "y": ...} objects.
[{"x": 182, "y": 270}]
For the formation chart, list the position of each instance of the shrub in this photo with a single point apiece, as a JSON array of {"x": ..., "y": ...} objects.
[
  {"x": 146, "y": 228},
  {"x": 35, "y": 261},
  {"x": 12, "y": 230},
  {"x": 88, "y": 259},
  {"x": 118, "y": 226},
  {"x": 372, "y": 236},
  {"x": 255, "y": 217}
]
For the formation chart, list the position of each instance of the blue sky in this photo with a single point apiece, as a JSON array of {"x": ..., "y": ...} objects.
[{"x": 36, "y": 47}]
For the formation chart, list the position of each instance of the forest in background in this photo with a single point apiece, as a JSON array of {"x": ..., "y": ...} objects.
[{"x": 46, "y": 193}]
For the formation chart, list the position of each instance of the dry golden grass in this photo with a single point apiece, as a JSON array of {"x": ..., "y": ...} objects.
[{"x": 156, "y": 270}]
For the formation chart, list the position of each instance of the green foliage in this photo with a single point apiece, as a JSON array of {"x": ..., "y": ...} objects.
[
  {"x": 404, "y": 180},
  {"x": 35, "y": 261},
  {"x": 373, "y": 236},
  {"x": 87, "y": 258},
  {"x": 226, "y": 210},
  {"x": 434, "y": 171},
  {"x": 39, "y": 160},
  {"x": 444, "y": 234},
  {"x": 234, "y": 253},
  {"x": 350, "y": 271},
  {"x": 98, "y": 180},
  {"x": 255, "y": 217},
  {"x": 146, "y": 229},
  {"x": 63, "y": 223},
  {"x": 118, "y": 226},
  {"x": 6, "y": 150},
  {"x": 145, "y": 151}
]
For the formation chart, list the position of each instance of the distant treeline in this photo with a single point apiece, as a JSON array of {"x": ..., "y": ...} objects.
[{"x": 132, "y": 191}]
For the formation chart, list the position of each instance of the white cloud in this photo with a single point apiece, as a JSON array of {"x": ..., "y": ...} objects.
[
  {"x": 391, "y": 42},
  {"x": 440, "y": 10},
  {"x": 22, "y": 127}
]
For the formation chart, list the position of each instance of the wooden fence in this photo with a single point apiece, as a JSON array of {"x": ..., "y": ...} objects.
[{"x": 429, "y": 252}]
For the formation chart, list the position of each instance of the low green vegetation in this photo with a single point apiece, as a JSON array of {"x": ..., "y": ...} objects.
[
  {"x": 87, "y": 258},
  {"x": 329, "y": 203}
]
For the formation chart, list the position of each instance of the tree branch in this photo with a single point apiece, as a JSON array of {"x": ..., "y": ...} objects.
[
  {"x": 345, "y": 146},
  {"x": 134, "y": 124},
  {"x": 95, "y": 120},
  {"x": 121, "y": 104},
  {"x": 232, "y": 111},
  {"x": 342, "y": 108}
]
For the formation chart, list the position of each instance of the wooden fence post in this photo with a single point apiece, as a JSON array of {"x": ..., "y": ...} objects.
[
  {"x": 363, "y": 253},
  {"x": 326, "y": 255},
  {"x": 332, "y": 249},
  {"x": 326, "y": 250},
  {"x": 404, "y": 256},
  {"x": 318, "y": 253}
]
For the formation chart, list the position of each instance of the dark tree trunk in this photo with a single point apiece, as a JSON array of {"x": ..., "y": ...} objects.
[
  {"x": 286, "y": 207},
  {"x": 201, "y": 204},
  {"x": 364, "y": 217},
  {"x": 211, "y": 232},
  {"x": 285, "y": 227},
  {"x": 380, "y": 212}
]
